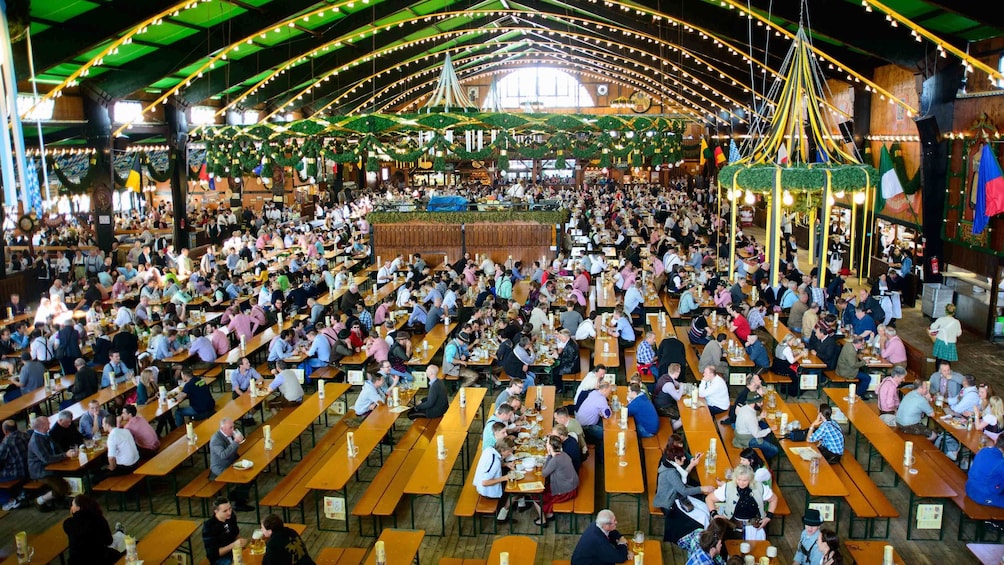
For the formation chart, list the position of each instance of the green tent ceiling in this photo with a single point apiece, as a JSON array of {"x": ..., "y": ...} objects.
[{"x": 288, "y": 50}]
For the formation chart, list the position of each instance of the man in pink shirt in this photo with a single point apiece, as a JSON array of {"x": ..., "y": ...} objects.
[
  {"x": 893, "y": 348},
  {"x": 383, "y": 310},
  {"x": 220, "y": 341},
  {"x": 242, "y": 325},
  {"x": 888, "y": 395},
  {"x": 581, "y": 282},
  {"x": 146, "y": 438},
  {"x": 377, "y": 348}
]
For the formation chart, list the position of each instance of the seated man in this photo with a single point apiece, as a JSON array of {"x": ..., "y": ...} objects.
[
  {"x": 65, "y": 433},
  {"x": 142, "y": 432},
  {"x": 640, "y": 407},
  {"x": 123, "y": 455},
  {"x": 437, "y": 402},
  {"x": 371, "y": 395},
  {"x": 42, "y": 452},
  {"x": 601, "y": 543},
  {"x": 223, "y": 448},
  {"x": 116, "y": 370},
  {"x": 200, "y": 399},
  {"x": 489, "y": 480},
  {"x": 913, "y": 408},
  {"x": 221, "y": 534},
  {"x": 90, "y": 422},
  {"x": 828, "y": 434},
  {"x": 14, "y": 462},
  {"x": 288, "y": 384},
  {"x": 985, "y": 484}
]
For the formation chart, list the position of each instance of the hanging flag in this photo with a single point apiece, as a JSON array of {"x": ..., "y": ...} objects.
[
  {"x": 33, "y": 189},
  {"x": 889, "y": 183},
  {"x": 704, "y": 147},
  {"x": 212, "y": 182},
  {"x": 733, "y": 151},
  {"x": 989, "y": 190},
  {"x": 133, "y": 180},
  {"x": 822, "y": 156},
  {"x": 719, "y": 156},
  {"x": 782, "y": 155},
  {"x": 203, "y": 173}
]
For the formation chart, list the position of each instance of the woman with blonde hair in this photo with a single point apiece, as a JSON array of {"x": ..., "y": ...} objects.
[
  {"x": 945, "y": 331},
  {"x": 990, "y": 420}
]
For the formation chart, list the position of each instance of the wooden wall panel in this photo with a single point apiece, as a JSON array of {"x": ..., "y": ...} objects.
[
  {"x": 432, "y": 241},
  {"x": 525, "y": 242},
  {"x": 892, "y": 119}
]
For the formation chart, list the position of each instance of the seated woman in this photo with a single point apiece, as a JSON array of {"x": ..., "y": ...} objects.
[
  {"x": 561, "y": 477},
  {"x": 88, "y": 534},
  {"x": 986, "y": 475},
  {"x": 761, "y": 473},
  {"x": 700, "y": 332},
  {"x": 829, "y": 545},
  {"x": 991, "y": 419},
  {"x": 786, "y": 362},
  {"x": 676, "y": 498},
  {"x": 746, "y": 502}
]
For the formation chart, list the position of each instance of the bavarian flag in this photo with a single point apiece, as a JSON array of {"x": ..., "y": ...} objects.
[{"x": 132, "y": 181}]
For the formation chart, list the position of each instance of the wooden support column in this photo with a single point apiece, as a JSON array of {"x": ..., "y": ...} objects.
[
  {"x": 99, "y": 136},
  {"x": 177, "y": 143}
]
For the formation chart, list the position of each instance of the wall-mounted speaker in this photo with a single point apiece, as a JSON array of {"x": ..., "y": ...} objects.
[
  {"x": 847, "y": 131},
  {"x": 927, "y": 128}
]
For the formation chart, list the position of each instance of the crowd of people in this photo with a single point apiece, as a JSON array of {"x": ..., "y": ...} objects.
[{"x": 271, "y": 264}]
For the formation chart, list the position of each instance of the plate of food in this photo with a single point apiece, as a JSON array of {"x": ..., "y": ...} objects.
[
  {"x": 522, "y": 454},
  {"x": 243, "y": 464},
  {"x": 524, "y": 435},
  {"x": 519, "y": 475}
]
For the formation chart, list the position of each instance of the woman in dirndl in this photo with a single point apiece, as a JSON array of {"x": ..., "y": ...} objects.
[{"x": 945, "y": 331}]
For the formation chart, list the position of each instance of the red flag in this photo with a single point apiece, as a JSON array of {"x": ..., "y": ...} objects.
[
  {"x": 719, "y": 156},
  {"x": 994, "y": 186},
  {"x": 204, "y": 173}
]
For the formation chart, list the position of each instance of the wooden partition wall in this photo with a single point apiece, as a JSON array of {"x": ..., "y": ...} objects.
[
  {"x": 432, "y": 241},
  {"x": 525, "y": 242}
]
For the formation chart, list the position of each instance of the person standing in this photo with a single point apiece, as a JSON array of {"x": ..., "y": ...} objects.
[
  {"x": 601, "y": 543},
  {"x": 808, "y": 551},
  {"x": 945, "y": 332},
  {"x": 283, "y": 546}
]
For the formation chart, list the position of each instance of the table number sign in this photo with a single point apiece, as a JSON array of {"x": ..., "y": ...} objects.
[
  {"x": 334, "y": 508},
  {"x": 929, "y": 516},
  {"x": 826, "y": 510}
]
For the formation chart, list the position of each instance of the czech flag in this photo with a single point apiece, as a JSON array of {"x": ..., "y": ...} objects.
[
  {"x": 133, "y": 180},
  {"x": 989, "y": 190}
]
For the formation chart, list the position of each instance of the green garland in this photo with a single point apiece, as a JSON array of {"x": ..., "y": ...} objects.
[
  {"x": 800, "y": 178},
  {"x": 547, "y": 217}
]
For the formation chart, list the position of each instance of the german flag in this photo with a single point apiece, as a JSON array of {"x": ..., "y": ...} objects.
[
  {"x": 719, "y": 156},
  {"x": 133, "y": 180}
]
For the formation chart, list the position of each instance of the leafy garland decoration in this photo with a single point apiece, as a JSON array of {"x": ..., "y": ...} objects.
[{"x": 801, "y": 178}]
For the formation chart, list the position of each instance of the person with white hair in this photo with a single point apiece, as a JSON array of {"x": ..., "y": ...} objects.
[
  {"x": 601, "y": 543},
  {"x": 746, "y": 501}
]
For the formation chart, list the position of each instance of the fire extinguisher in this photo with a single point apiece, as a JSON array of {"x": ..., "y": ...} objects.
[{"x": 934, "y": 265}]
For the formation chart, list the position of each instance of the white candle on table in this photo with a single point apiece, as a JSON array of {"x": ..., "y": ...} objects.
[
  {"x": 620, "y": 440},
  {"x": 320, "y": 388},
  {"x": 887, "y": 555},
  {"x": 784, "y": 421},
  {"x": 624, "y": 417},
  {"x": 190, "y": 431},
  {"x": 852, "y": 393},
  {"x": 350, "y": 442},
  {"x": 907, "y": 452},
  {"x": 397, "y": 396},
  {"x": 266, "y": 432},
  {"x": 713, "y": 445},
  {"x": 504, "y": 558},
  {"x": 639, "y": 559},
  {"x": 162, "y": 393},
  {"x": 381, "y": 552},
  {"x": 463, "y": 397},
  {"x": 693, "y": 398}
]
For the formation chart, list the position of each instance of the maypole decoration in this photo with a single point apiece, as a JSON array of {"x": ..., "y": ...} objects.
[{"x": 782, "y": 159}]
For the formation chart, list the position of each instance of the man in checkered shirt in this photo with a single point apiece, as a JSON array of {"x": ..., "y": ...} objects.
[
  {"x": 828, "y": 434},
  {"x": 646, "y": 356}
]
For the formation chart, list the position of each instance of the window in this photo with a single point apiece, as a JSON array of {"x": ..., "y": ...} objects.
[
  {"x": 250, "y": 117},
  {"x": 127, "y": 111},
  {"x": 202, "y": 115},
  {"x": 41, "y": 112},
  {"x": 536, "y": 88}
]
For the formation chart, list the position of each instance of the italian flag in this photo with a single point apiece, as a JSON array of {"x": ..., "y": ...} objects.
[{"x": 889, "y": 183}]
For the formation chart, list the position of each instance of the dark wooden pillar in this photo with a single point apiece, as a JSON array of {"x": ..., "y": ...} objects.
[
  {"x": 177, "y": 142},
  {"x": 99, "y": 136}
]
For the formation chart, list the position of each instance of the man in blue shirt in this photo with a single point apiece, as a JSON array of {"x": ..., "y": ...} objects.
[
  {"x": 370, "y": 396},
  {"x": 240, "y": 378},
  {"x": 864, "y": 326},
  {"x": 986, "y": 475},
  {"x": 281, "y": 347},
  {"x": 640, "y": 407},
  {"x": 757, "y": 352},
  {"x": 620, "y": 326},
  {"x": 828, "y": 434},
  {"x": 319, "y": 354}
]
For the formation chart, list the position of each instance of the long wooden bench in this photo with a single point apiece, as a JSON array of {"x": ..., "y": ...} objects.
[
  {"x": 866, "y": 499},
  {"x": 584, "y": 503},
  {"x": 470, "y": 504},
  {"x": 381, "y": 498},
  {"x": 693, "y": 361},
  {"x": 203, "y": 489},
  {"x": 290, "y": 491},
  {"x": 971, "y": 511}
]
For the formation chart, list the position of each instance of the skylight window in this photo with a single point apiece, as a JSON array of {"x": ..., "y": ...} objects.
[
  {"x": 128, "y": 111},
  {"x": 42, "y": 112},
  {"x": 203, "y": 115},
  {"x": 536, "y": 88}
]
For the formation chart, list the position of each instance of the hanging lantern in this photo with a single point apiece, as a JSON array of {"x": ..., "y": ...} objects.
[
  {"x": 787, "y": 199},
  {"x": 750, "y": 197},
  {"x": 859, "y": 197},
  {"x": 840, "y": 194}
]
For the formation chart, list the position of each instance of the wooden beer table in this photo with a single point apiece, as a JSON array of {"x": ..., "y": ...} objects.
[
  {"x": 622, "y": 473},
  {"x": 870, "y": 552},
  {"x": 48, "y": 545},
  {"x": 401, "y": 546},
  {"x": 163, "y": 540},
  {"x": 521, "y": 549},
  {"x": 340, "y": 556},
  {"x": 436, "y": 338},
  {"x": 607, "y": 352}
]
